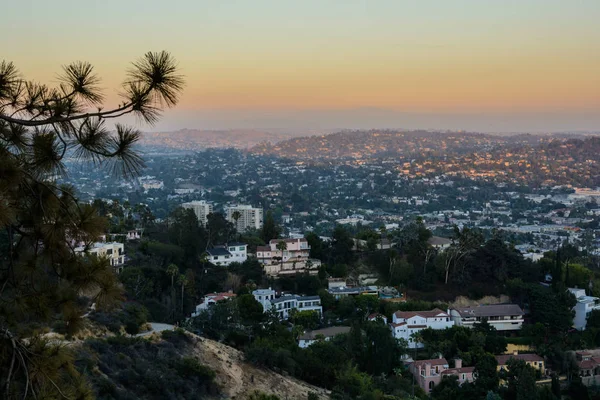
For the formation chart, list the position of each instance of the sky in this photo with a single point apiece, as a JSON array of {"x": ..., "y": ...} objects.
[{"x": 487, "y": 65}]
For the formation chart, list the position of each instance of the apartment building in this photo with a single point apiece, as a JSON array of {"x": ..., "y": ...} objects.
[
  {"x": 503, "y": 317},
  {"x": 248, "y": 217},
  {"x": 406, "y": 323},
  {"x": 201, "y": 208}
]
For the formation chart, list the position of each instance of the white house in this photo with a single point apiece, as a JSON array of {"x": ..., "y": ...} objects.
[
  {"x": 285, "y": 304},
  {"x": 227, "y": 254},
  {"x": 311, "y": 337},
  {"x": 210, "y": 300},
  {"x": 406, "y": 323},
  {"x": 238, "y": 251},
  {"x": 585, "y": 305},
  {"x": 113, "y": 251},
  {"x": 503, "y": 317}
]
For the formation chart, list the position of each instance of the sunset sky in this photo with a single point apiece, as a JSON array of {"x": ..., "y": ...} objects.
[{"x": 484, "y": 64}]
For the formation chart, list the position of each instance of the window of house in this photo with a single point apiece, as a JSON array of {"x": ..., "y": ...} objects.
[
  {"x": 463, "y": 376},
  {"x": 109, "y": 252},
  {"x": 241, "y": 248},
  {"x": 232, "y": 249},
  {"x": 215, "y": 258},
  {"x": 431, "y": 385}
]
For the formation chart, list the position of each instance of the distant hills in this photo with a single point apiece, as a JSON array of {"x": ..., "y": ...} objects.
[
  {"x": 386, "y": 143},
  {"x": 196, "y": 139}
]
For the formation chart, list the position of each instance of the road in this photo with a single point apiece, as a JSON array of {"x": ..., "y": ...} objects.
[{"x": 156, "y": 327}]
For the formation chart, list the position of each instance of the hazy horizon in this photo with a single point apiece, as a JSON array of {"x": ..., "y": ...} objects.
[
  {"x": 489, "y": 66},
  {"x": 299, "y": 121}
]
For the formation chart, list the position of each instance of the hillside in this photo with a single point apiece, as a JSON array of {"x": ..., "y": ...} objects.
[{"x": 177, "y": 365}]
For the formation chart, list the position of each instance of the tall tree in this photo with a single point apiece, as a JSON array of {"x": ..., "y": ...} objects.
[
  {"x": 42, "y": 278},
  {"x": 270, "y": 229},
  {"x": 282, "y": 247}
]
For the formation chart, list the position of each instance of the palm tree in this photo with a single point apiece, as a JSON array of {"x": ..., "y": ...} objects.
[
  {"x": 172, "y": 270},
  {"x": 236, "y": 215},
  {"x": 282, "y": 246},
  {"x": 183, "y": 281}
]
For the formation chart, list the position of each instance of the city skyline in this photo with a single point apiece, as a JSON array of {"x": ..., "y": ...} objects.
[{"x": 487, "y": 66}]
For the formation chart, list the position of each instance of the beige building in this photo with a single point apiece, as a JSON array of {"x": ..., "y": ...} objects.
[
  {"x": 249, "y": 217},
  {"x": 201, "y": 208},
  {"x": 113, "y": 251}
]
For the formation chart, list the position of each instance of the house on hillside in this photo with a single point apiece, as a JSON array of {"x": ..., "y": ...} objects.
[
  {"x": 228, "y": 253},
  {"x": 589, "y": 367},
  {"x": 114, "y": 252},
  {"x": 439, "y": 243},
  {"x": 210, "y": 300},
  {"x": 294, "y": 259},
  {"x": 503, "y": 317},
  {"x": 377, "y": 317},
  {"x": 429, "y": 373},
  {"x": 285, "y": 304},
  {"x": 406, "y": 323},
  {"x": 311, "y": 337},
  {"x": 532, "y": 360}
]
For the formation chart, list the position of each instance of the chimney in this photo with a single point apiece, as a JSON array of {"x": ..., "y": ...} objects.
[
  {"x": 440, "y": 356},
  {"x": 458, "y": 363}
]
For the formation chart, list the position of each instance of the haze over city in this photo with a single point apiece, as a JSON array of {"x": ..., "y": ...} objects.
[{"x": 489, "y": 66}]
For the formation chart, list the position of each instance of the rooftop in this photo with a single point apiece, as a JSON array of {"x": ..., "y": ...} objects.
[
  {"x": 326, "y": 332},
  {"x": 218, "y": 251},
  {"x": 502, "y": 360},
  {"x": 493, "y": 310}
]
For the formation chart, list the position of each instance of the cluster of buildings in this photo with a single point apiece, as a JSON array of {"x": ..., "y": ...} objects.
[{"x": 407, "y": 324}]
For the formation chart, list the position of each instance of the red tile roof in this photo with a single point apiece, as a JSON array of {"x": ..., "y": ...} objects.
[
  {"x": 433, "y": 361},
  {"x": 399, "y": 324}
]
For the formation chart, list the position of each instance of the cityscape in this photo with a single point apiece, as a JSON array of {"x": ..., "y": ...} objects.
[{"x": 261, "y": 200}]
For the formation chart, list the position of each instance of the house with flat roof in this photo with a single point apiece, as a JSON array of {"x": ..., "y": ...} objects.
[
  {"x": 310, "y": 337},
  {"x": 583, "y": 308},
  {"x": 285, "y": 304},
  {"x": 503, "y": 317}
]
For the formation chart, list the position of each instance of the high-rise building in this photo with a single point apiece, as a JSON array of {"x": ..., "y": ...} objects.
[
  {"x": 201, "y": 209},
  {"x": 248, "y": 217}
]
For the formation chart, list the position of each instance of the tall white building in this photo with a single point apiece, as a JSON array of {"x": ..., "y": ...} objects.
[
  {"x": 201, "y": 209},
  {"x": 249, "y": 218}
]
